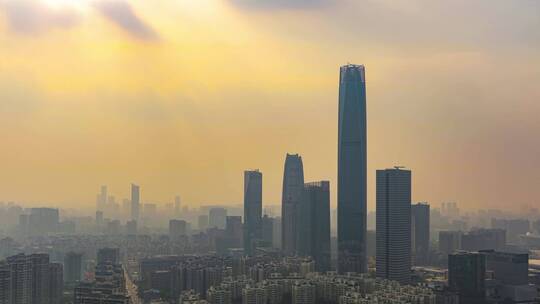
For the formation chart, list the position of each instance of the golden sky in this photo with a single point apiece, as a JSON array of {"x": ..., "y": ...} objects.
[{"x": 181, "y": 96}]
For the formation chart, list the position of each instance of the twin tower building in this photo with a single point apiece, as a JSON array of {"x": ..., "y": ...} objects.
[{"x": 306, "y": 206}]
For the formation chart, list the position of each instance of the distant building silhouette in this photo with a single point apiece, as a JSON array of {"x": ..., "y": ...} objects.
[
  {"x": 73, "y": 267},
  {"x": 394, "y": 224},
  {"x": 177, "y": 228},
  {"x": 43, "y": 220},
  {"x": 484, "y": 239},
  {"x": 234, "y": 231},
  {"x": 293, "y": 186},
  {"x": 267, "y": 230},
  {"x": 352, "y": 170},
  {"x": 135, "y": 202},
  {"x": 217, "y": 217},
  {"x": 177, "y": 205},
  {"x": 514, "y": 228},
  {"x": 131, "y": 227},
  {"x": 252, "y": 209},
  {"x": 420, "y": 233},
  {"x": 202, "y": 222},
  {"x": 108, "y": 256},
  {"x": 449, "y": 241},
  {"x": 314, "y": 224}
]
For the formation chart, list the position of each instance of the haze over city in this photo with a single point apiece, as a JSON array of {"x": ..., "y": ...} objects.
[
  {"x": 269, "y": 152},
  {"x": 181, "y": 97}
]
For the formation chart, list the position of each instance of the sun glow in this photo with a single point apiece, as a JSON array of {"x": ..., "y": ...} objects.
[{"x": 78, "y": 4}]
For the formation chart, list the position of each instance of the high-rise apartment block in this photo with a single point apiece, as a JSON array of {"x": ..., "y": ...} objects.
[{"x": 394, "y": 224}]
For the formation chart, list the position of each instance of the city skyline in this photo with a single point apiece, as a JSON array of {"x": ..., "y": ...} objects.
[{"x": 105, "y": 103}]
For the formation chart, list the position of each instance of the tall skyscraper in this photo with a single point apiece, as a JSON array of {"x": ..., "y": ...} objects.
[
  {"x": 393, "y": 198},
  {"x": 293, "y": 185},
  {"x": 101, "y": 199},
  {"x": 314, "y": 224},
  {"x": 466, "y": 275},
  {"x": 252, "y": 209},
  {"x": 420, "y": 233},
  {"x": 352, "y": 170},
  {"x": 135, "y": 202}
]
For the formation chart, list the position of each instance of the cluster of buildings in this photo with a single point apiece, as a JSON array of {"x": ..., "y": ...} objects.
[
  {"x": 109, "y": 282},
  {"x": 317, "y": 288}
]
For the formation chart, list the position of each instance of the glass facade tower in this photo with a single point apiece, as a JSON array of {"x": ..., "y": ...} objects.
[
  {"x": 293, "y": 185},
  {"x": 352, "y": 167}
]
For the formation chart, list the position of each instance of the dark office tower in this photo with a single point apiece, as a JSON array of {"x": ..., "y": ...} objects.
[
  {"x": 72, "y": 267},
  {"x": 508, "y": 268},
  {"x": 217, "y": 217},
  {"x": 293, "y": 185},
  {"x": 40, "y": 277},
  {"x": 352, "y": 167},
  {"x": 234, "y": 231},
  {"x": 177, "y": 228},
  {"x": 56, "y": 283},
  {"x": 314, "y": 224},
  {"x": 135, "y": 202},
  {"x": 177, "y": 205},
  {"x": 420, "y": 233},
  {"x": 252, "y": 209},
  {"x": 466, "y": 275},
  {"x": 108, "y": 256},
  {"x": 267, "y": 230},
  {"x": 393, "y": 198}
]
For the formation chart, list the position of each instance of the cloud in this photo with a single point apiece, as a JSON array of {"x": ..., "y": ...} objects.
[
  {"x": 33, "y": 17},
  {"x": 280, "y": 4},
  {"x": 122, "y": 14}
]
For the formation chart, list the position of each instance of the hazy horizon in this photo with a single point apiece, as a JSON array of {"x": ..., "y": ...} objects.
[{"x": 181, "y": 97}]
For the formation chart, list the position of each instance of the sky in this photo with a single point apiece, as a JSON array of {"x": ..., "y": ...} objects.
[{"x": 181, "y": 96}]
